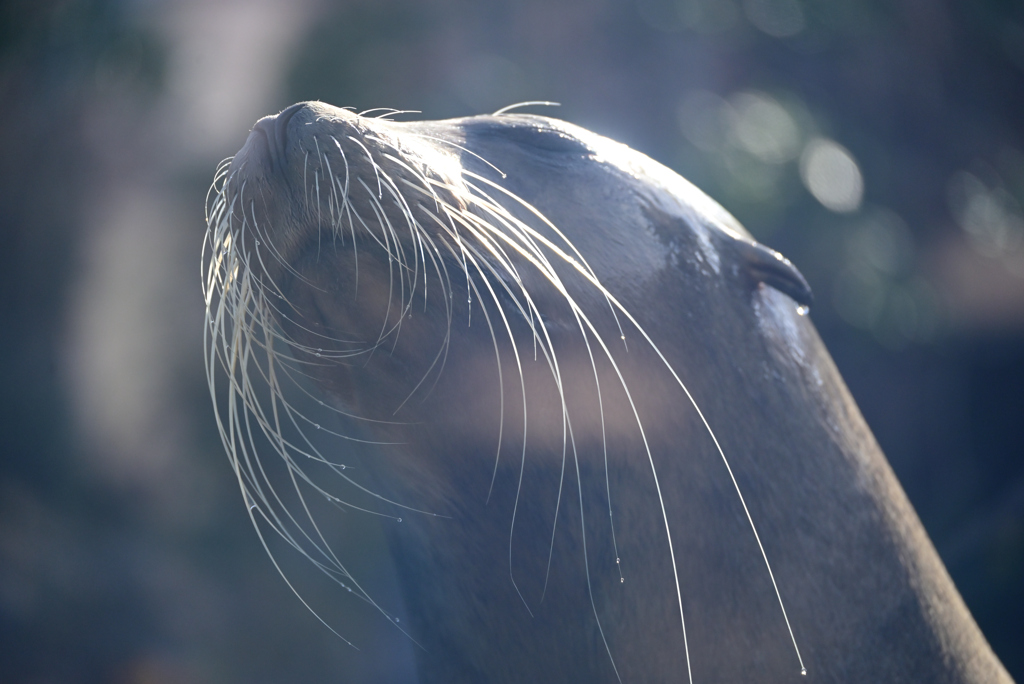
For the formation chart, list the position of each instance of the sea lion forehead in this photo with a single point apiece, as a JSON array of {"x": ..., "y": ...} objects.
[
  {"x": 653, "y": 182},
  {"x": 637, "y": 196}
]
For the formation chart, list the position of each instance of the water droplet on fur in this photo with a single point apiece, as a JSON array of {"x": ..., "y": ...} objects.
[{"x": 803, "y": 310}]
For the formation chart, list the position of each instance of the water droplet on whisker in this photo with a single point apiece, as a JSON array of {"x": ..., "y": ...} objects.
[{"x": 803, "y": 310}]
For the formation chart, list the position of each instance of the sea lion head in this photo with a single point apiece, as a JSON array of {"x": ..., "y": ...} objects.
[{"x": 499, "y": 300}]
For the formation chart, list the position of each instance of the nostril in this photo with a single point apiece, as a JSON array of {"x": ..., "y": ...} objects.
[
  {"x": 275, "y": 130},
  {"x": 281, "y": 124}
]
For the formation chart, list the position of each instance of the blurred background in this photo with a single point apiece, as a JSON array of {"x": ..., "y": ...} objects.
[{"x": 879, "y": 145}]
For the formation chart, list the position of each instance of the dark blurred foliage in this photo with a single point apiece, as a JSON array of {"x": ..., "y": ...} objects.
[{"x": 125, "y": 552}]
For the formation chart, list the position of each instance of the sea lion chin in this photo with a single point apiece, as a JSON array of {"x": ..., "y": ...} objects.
[{"x": 618, "y": 446}]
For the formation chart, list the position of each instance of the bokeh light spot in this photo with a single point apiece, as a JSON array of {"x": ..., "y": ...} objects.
[
  {"x": 705, "y": 119},
  {"x": 830, "y": 173},
  {"x": 764, "y": 128},
  {"x": 990, "y": 216}
]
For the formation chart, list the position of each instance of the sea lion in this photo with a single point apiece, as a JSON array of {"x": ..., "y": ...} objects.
[{"x": 610, "y": 442}]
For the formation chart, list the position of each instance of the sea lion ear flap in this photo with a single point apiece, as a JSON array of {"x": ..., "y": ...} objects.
[{"x": 761, "y": 264}]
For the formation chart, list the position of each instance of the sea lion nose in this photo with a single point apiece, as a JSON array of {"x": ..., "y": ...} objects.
[{"x": 275, "y": 129}]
